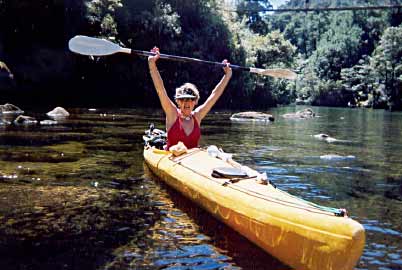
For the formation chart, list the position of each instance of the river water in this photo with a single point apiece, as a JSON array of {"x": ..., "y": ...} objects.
[{"x": 77, "y": 195}]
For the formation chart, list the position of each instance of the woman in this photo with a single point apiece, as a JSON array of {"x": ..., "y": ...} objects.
[{"x": 182, "y": 121}]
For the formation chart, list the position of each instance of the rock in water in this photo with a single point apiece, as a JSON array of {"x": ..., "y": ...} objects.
[
  {"x": 252, "y": 116},
  {"x": 9, "y": 108},
  {"x": 25, "y": 120},
  {"x": 58, "y": 112},
  {"x": 303, "y": 114},
  {"x": 325, "y": 137}
]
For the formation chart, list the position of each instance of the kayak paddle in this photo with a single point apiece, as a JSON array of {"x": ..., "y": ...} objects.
[{"x": 101, "y": 47}]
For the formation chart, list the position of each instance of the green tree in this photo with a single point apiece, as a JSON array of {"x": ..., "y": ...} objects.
[
  {"x": 304, "y": 30},
  {"x": 373, "y": 23},
  {"x": 387, "y": 63},
  {"x": 157, "y": 23},
  {"x": 360, "y": 82},
  {"x": 254, "y": 12},
  {"x": 101, "y": 16},
  {"x": 262, "y": 51},
  {"x": 337, "y": 48}
]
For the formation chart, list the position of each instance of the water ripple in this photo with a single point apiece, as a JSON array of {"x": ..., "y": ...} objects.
[{"x": 374, "y": 226}]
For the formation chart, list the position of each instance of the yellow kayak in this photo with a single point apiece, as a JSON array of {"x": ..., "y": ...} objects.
[{"x": 301, "y": 234}]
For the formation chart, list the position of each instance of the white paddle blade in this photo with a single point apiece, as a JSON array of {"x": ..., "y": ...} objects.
[
  {"x": 276, "y": 73},
  {"x": 93, "y": 46}
]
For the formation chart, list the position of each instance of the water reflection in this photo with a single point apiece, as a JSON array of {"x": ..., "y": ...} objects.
[
  {"x": 368, "y": 185},
  {"x": 75, "y": 195},
  {"x": 187, "y": 237}
]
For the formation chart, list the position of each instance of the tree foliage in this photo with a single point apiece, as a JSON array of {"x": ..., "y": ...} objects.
[
  {"x": 343, "y": 53},
  {"x": 252, "y": 11},
  {"x": 262, "y": 49},
  {"x": 387, "y": 65},
  {"x": 337, "y": 47},
  {"x": 342, "y": 57}
]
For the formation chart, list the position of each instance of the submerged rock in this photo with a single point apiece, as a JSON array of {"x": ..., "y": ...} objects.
[
  {"x": 48, "y": 122},
  {"x": 4, "y": 122},
  {"x": 25, "y": 120},
  {"x": 303, "y": 114},
  {"x": 49, "y": 222},
  {"x": 324, "y": 137},
  {"x": 252, "y": 116},
  {"x": 329, "y": 139},
  {"x": 58, "y": 112},
  {"x": 335, "y": 157}
]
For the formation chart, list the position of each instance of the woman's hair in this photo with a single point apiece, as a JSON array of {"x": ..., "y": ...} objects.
[{"x": 187, "y": 90}]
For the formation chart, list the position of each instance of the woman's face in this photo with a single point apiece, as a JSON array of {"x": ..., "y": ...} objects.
[{"x": 186, "y": 105}]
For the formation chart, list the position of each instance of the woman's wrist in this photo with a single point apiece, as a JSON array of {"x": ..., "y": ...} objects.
[{"x": 152, "y": 66}]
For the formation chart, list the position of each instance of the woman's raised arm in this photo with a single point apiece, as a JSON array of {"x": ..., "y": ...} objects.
[
  {"x": 167, "y": 104},
  {"x": 203, "y": 109}
]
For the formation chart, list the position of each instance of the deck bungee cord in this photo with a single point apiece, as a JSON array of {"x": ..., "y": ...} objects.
[{"x": 305, "y": 205}]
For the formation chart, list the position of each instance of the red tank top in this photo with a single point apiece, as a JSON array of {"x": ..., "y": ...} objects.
[{"x": 176, "y": 133}]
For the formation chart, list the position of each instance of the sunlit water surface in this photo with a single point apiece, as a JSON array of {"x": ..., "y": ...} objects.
[{"x": 77, "y": 195}]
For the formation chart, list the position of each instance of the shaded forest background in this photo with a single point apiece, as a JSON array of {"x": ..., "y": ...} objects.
[{"x": 343, "y": 58}]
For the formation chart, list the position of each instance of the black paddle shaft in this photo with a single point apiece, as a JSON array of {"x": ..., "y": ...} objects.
[
  {"x": 187, "y": 59},
  {"x": 100, "y": 47}
]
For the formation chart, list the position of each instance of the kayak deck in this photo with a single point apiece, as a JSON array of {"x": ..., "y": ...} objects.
[{"x": 299, "y": 233}]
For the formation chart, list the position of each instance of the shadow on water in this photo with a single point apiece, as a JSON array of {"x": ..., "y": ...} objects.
[
  {"x": 69, "y": 228},
  {"x": 186, "y": 237}
]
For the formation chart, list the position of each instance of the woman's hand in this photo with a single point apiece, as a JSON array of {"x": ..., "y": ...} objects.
[
  {"x": 154, "y": 58},
  {"x": 227, "y": 69}
]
